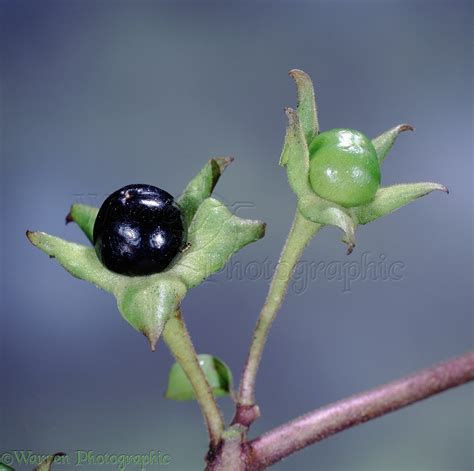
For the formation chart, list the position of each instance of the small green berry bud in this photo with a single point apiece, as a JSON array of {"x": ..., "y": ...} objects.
[{"x": 344, "y": 167}]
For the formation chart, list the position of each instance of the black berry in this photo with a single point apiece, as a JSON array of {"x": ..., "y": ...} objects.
[{"x": 139, "y": 230}]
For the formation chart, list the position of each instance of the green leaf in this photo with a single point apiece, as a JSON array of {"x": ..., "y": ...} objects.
[
  {"x": 201, "y": 186},
  {"x": 78, "y": 260},
  {"x": 295, "y": 156},
  {"x": 4, "y": 467},
  {"x": 214, "y": 236},
  {"x": 324, "y": 212},
  {"x": 390, "y": 198},
  {"x": 48, "y": 462},
  {"x": 217, "y": 374},
  {"x": 385, "y": 141},
  {"x": 84, "y": 216},
  {"x": 307, "y": 110},
  {"x": 147, "y": 302}
]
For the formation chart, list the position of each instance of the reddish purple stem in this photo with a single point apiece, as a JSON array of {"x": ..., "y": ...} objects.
[{"x": 326, "y": 421}]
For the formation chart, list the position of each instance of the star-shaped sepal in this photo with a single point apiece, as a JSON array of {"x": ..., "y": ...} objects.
[
  {"x": 147, "y": 302},
  {"x": 302, "y": 128}
]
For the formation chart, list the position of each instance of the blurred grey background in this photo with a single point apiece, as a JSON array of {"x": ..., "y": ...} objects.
[{"x": 96, "y": 95}]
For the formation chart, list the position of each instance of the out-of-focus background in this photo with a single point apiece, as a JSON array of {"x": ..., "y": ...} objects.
[{"x": 96, "y": 95}]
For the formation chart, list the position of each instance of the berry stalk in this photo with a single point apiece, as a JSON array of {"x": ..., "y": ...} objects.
[{"x": 300, "y": 234}]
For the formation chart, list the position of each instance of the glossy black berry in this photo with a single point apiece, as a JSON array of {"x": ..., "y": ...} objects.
[{"x": 139, "y": 230}]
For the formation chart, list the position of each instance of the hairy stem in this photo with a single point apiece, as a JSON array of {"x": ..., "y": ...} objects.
[
  {"x": 179, "y": 342},
  {"x": 329, "y": 420},
  {"x": 300, "y": 234}
]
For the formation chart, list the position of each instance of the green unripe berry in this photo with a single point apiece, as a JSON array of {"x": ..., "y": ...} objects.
[{"x": 344, "y": 167}]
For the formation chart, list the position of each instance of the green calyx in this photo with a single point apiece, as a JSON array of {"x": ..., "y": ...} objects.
[
  {"x": 336, "y": 174},
  {"x": 344, "y": 167},
  {"x": 147, "y": 302}
]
